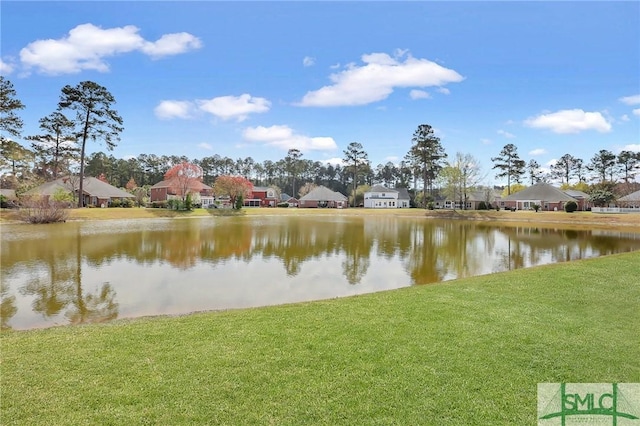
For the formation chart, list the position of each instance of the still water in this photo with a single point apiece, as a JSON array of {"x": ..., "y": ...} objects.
[{"x": 82, "y": 272}]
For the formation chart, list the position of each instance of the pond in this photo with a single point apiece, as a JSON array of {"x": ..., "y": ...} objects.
[{"x": 80, "y": 272}]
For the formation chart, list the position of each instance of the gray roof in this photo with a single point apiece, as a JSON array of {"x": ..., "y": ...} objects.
[
  {"x": 481, "y": 195},
  {"x": 91, "y": 186},
  {"x": 576, "y": 194},
  {"x": 540, "y": 192},
  {"x": 381, "y": 188},
  {"x": 634, "y": 196},
  {"x": 403, "y": 194},
  {"x": 9, "y": 193},
  {"x": 322, "y": 193}
]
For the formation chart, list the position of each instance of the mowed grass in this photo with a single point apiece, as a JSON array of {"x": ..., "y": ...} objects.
[{"x": 466, "y": 352}]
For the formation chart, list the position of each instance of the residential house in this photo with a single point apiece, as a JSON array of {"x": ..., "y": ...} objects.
[
  {"x": 262, "y": 196},
  {"x": 9, "y": 194},
  {"x": 170, "y": 189},
  {"x": 632, "y": 200},
  {"x": 474, "y": 198},
  {"x": 381, "y": 197},
  {"x": 582, "y": 198},
  {"x": 95, "y": 192},
  {"x": 322, "y": 196},
  {"x": 291, "y": 201},
  {"x": 546, "y": 196},
  {"x": 8, "y": 198}
]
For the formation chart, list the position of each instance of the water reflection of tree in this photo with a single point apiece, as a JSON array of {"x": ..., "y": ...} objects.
[
  {"x": 429, "y": 250},
  {"x": 7, "y": 306},
  {"x": 62, "y": 288},
  {"x": 357, "y": 246},
  {"x": 182, "y": 249},
  {"x": 423, "y": 260},
  {"x": 52, "y": 293},
  {"x": 459, "y": 256}
]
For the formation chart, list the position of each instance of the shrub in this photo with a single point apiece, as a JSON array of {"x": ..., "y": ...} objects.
[
  {"x": 127, "y": 203},
  {"x": 536, "y": 207},
  {"x": 239, "y": 203},
  {"x": 482, "y": 205},
  {"x": 159, "y": 204},
  {"x": 571, "y": 207},
  {"x": 37, "y": 209},
  {"x": 188, "y": 202},
  {"x": 285, "y": 205},
  {"x": 174, "y": 204},
  {"x": 431, "y": 205},
  {"x": 115, "y": 203}
]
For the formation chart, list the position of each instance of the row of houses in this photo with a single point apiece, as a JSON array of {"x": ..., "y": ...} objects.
[{"x": 547, "y": 197}]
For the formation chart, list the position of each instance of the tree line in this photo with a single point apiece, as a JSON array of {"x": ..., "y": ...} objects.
[{"x": 85, "y": 113}]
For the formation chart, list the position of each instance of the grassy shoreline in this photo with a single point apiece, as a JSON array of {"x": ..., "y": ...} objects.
[{"x": 469, "y": 351}]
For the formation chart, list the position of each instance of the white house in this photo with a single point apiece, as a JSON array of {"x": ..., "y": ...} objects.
[{"x": 380, "y": 197}]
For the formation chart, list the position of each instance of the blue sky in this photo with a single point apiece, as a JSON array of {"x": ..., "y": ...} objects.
[{"x": 254, "y": 79}]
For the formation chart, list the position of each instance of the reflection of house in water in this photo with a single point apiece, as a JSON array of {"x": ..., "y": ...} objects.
[{"x": 65, "y": 282}]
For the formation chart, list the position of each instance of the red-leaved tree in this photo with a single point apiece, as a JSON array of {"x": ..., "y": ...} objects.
[
  {"x": 236, "y": 187},
  {"x": 184, "y": 178}
]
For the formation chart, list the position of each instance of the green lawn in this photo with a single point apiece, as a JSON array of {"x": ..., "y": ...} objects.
[{"x": 466, "y": 352}]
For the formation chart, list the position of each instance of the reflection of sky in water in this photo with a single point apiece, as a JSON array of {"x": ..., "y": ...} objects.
[{"x": 162, "y": 267}]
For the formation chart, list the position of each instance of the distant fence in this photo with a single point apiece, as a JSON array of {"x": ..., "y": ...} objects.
[{"x": 615, "y": 209}]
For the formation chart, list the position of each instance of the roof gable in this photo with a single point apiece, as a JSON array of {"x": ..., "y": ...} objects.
[
  {"x": 381, "y": 188},
  {"x": 322, "y": 193},
  {"x": 91, "y": 186},
  {"x": 634, "y": 196},
  {"x": 540, "y": 192}
]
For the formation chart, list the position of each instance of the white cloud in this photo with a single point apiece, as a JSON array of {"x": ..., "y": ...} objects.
[
  {"x": 173, "y": 109},
  {"x": 444, "y": 90},
  {"x": 377, "y": 78},
  {"x": 631, "y": 100},
  {"x": 419, "y": 94},
  {"x": 537, "y": 151},
  {"x": 570, "y": 121},
  {"x": 625, "y": 117},
  {"x": 393, "y": 158},
  {"x": 284, "y": 137},
  {"x": 485, "y": 141},
  {"x": 634, "y": 147},
  {"x": 506, "y": 134},
  {"x": 552, "y": 162},
  {"x": 636, "y": 111},
  {"x": 5, "y": 67},
  {"x": 206, "y": 146},
  {"x": 234, "y": 107},
  {"x": 308, "y": 61},
  {"x": 171, "y": 44},
  {"x": 86, "y": 47}
]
